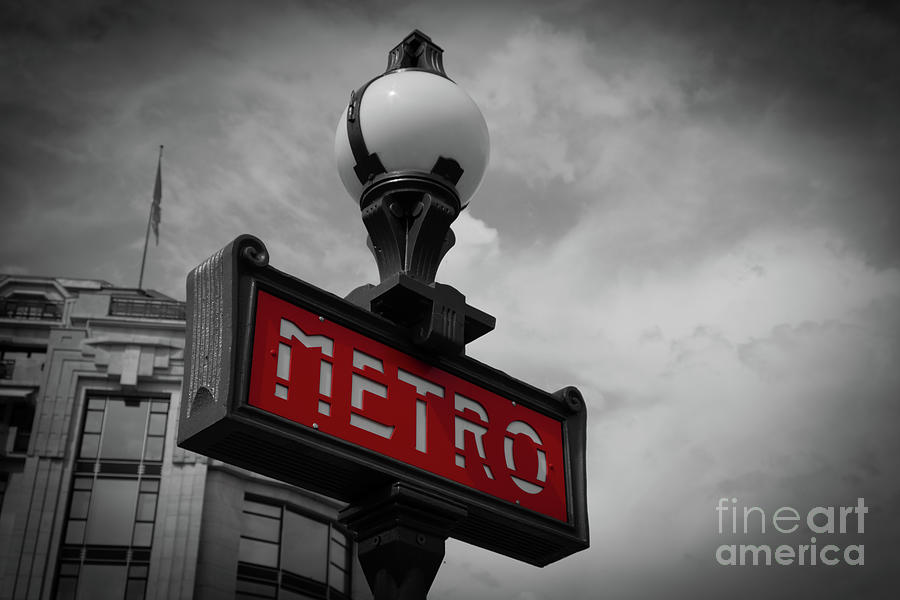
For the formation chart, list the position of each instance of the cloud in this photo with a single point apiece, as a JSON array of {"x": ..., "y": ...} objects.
[
  {"x": 545, "y": 91},
  {"x": 477, "y": 250},
  {"x": 689, "y": 214},
  {"x": 759, "y": 372}
]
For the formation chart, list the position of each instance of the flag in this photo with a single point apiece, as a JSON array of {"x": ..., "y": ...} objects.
[{"x": 155, "y": 209}]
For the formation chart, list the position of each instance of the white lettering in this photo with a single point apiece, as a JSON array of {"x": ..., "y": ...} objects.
[
  {"x": 845, "y": 511},
  {"x": 732, "y": 554},
  {"x": 360, "y": 384},
  {"x": 423, "y": 388},
  {"x": 784, "y": 555},
  {"x": 515, "y": 428},
  {"x": 777, "y": 517},
  {"x": 721, "y": 508},
  {"x": 861, "y": 510},
  {"x": 860, "y": 554},
  {"x": 762, "y": 518},
  {"x": 825, "y": 559},
  {"x": 290, "y": 331},
  {"x": 461, "y": 425},
  {"x": 756, "y": 551},
  {"x": 828, "y": 527}
]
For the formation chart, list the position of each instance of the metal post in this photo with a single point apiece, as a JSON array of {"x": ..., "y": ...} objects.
[
  {"x": 401, "y": 534},
  {"x": 144, "y": 255}
]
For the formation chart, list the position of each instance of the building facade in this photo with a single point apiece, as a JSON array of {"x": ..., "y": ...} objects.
[{"x": 97, "y": 501}]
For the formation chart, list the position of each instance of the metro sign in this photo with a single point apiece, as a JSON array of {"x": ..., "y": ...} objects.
[
  {"x": 292, "y": 382},
  {"x": 325, "y": 376}
]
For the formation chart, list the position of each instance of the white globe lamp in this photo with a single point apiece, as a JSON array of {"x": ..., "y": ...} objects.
[{"x": 411, "y": 148}]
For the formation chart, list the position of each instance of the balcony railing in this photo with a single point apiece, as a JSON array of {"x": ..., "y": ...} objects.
[
  {"x": 31, "y": 309},
  {"x": 146, "y": 308},
  {"x": 7, "y": 366}
]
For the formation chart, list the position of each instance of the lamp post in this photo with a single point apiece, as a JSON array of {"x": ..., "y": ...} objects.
[
  {"x": 370, "y": 399},
  {"x": 411, "y": 148}
]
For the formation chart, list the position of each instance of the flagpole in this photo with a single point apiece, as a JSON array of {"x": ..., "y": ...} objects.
[
  {"x": 144, "y": 258},
  {"x": 149, "y": 219}
]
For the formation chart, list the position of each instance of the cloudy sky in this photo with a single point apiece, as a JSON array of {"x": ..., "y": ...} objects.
[{"x": 691, "y": 213}]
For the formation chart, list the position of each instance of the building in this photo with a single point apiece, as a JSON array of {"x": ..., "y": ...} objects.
[{"x": 97, "y": 501}]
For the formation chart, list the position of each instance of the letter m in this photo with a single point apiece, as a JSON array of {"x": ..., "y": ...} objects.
[{"x": 289, "y": 331}]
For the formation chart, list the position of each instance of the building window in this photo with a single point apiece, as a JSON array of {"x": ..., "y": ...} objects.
[
  {"x": 7, "y": 367},
  {"x": 29, "y": 359},
  {"x": 112, "y": 507},
  {"x": 288, "y": 555},
  {"x": 124, "y": 429},
  {"x": 16, "y": 420},
  {"x": 147, "y": 309},
  {"x": 29, "y": 307}
]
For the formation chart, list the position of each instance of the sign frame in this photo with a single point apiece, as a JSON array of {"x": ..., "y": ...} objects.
[{"x": 217, "y": 420}]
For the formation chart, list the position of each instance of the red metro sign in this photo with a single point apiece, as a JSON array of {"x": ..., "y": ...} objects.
[
  {"x": 289, "y": 381},
  {"x": 343, "y": 384}
]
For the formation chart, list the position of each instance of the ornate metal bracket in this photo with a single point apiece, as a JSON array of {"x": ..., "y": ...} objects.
[
  {"x": 408, "y": 216},
  {"x": 437, "y": 315}
]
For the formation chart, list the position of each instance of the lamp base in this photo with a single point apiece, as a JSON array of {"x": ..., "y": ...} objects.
[
  {"x": 408, "y": 217},
  {"x": 401, "y": 533}
]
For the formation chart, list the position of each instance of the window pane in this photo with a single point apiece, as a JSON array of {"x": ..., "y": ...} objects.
[
  {"x": 290, "y": 595},
  {"x": 97, "y": 403},
  {"x": 112, "y": 512},
  {"x": 93, "y": 421},
  {"x": 135, "y": 590},
  {"x": 83, "y": 483},
  {"x": 303, "y": 547},
  {"x": 101, "y": 582},
  {"x": 154, "y": 448},
  {"x": 150, "y": 485},
  {"x": 139, "y": 571},
  {"x": 90, "y": 442},
  {"x": 80, "y": 501},
  {"x": 269, "y": 510},
  {"x": 146, "y": 508},
  {"x": 65, "y": 589},
  {"x": 266, "y": 590},
  {"x": 261, "y": 528},
  {"x": 337, "y": 578},
  {"x": 143, "y": 534},
  {"x": 258, "y": 553},
  {"x": 123, "y": 429},
  {"x": 338, "y": 548},
  {"x": 75, "y": 532},
  {"x": 160, "y": 406},
  {"x": 157, "y": 424}
]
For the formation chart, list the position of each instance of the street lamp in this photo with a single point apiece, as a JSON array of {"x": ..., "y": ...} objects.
[
  {"x": 411, "y": 148},
  {"x": 383, "y": 411}
]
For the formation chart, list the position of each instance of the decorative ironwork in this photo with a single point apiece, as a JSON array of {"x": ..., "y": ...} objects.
[
  {"x": 146, "y": 308},
  {"x": 417, "y": 51},
  {"x": 7, "y": 366},
  {"x": 29, "y": 309}
]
